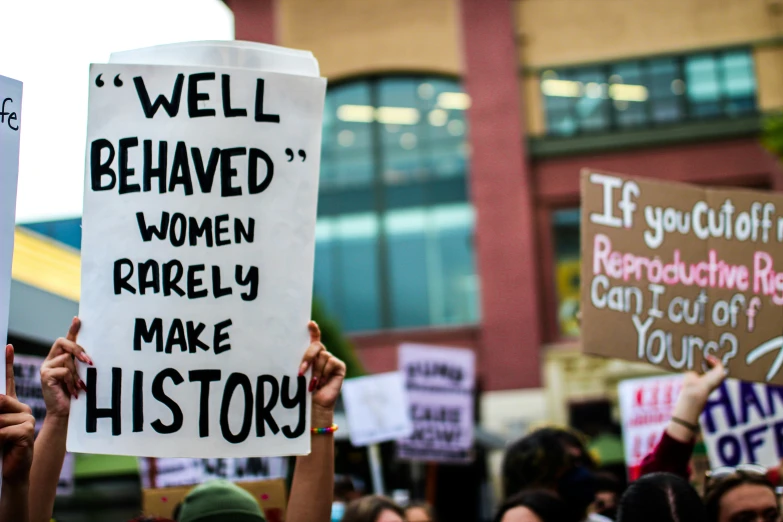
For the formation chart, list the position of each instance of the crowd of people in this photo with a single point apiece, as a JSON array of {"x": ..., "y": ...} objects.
[{"x": 548, "y": 475}]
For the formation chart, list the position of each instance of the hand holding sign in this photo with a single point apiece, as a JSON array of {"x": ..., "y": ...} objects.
[
  {"x": 328, "y": 371},
  {"x": 695, "y": 391},
  {"x": 59, "y": 377},
  {"x": 17, "y": 429}
]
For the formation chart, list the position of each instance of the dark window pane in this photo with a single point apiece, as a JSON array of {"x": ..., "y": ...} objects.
[
  {"x": 566, "y": 235},
  {"x": 639, "y": 93},
  {"x": 628, "y": 94},
  {"x": 703, "y": 85}
]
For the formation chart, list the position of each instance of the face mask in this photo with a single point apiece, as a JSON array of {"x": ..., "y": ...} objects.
[
  {"x": 577, "y": 488},
  {"x": 338, "y": 510}
]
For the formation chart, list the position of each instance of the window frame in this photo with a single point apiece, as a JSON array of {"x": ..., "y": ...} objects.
[
  {"x": 687, "y": 108},
  {"x": 376, "y": 191}
]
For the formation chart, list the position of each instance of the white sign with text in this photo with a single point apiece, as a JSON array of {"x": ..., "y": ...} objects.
[
  {"x": 646, "y": 405},
  {"x": 184, "y": 472},
  {"x": 10, "y": 127},
  {"x": 440, "y": 383},
  {"x": 200, "y": 198},
  {"x": 376, "y": 408},
  {"x": 742, "y": 423}
]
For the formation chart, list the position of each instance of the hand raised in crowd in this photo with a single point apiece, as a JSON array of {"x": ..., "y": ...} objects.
[
  {"x": 17, "y": 428},
  {"x": 328, "y": 371},
  {"x": 695, "y": 391},
  {"x": 17, "y": 436},
  {"x": 59, "y": 377}
]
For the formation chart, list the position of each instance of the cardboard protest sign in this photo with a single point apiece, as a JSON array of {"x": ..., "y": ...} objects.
[
  {"x": 376, "y": 408},
  {"x": 185, "y": 472},
  {"x": 440, "y": 383},
  {"x": 646, "y": 405},
  {"x": 743, "y": 424},
  {"x": 271, "y": 496},
  {"x": 673, "y": 272},
  {"x": 200, "y": 200},
  {"x": 27, "y": 376}
]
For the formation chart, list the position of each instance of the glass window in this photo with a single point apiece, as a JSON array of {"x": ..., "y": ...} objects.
[
  {"x": 566, "y": 238},
  {"x": 393, "y": 242},
  {"x": 638, "y": 93}
]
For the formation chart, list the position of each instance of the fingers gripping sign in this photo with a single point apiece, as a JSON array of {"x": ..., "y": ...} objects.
[
  {"x": 17, "y": 429},
  {"x": 328, "y": 370},
  {"x": 59, "y": 374}
]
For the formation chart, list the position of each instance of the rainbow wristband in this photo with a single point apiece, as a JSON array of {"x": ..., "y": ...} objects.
[{"x": 324, "y": 431}]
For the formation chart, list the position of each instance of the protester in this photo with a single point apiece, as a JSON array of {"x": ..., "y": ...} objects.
[
  {"x": 220, "y": 501},
  {"x": 607, "y": 494},
  {"x": 344, "y": 492},
  {"x": 373, "y": 508},
  {"x": 420, "y": 512},
  {"x": 17, "y": 433},
  {"x": 534, "y": 506},
  {"x": 741, "y": 495},
  {"x": 661, "y": 497},
  {"x": 730, "y": 496},
  {"x": 310, "y": 498},
  {"x": 556, "y": 460}
]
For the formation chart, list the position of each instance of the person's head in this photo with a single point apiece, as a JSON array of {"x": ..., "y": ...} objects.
[
  {"x": 220, "y": 501},
  {"x": 553, "y": 459},
  {"x": 535, "y": 506},
  {"x": 344, "y": 489},
  {"x": 741, "y": 497},
  {"x": 607, "y": 493},
  {"x": 419, "y": 512},
  {"x": 373, "y": 508},
  {"x": 661, "y": 497}
]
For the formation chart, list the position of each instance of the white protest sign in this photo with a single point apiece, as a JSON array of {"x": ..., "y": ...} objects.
[
  {"x": 376, "y": 408},
  {"x": 10, "y": 127},
  {"x": 743, "y": 424},
  {"x": 197, "y": 260},
  {"x": 440, "y": 384},
  {"x": 646, "y": 405},
  {"x": 184, "y": 472},
  {"x": 27, "y": 376}
]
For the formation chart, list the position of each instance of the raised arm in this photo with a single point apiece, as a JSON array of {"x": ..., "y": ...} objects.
[
  {"x": 674, "y": 450},
  {"x": 17, "y": 433},
  {"x": 313, "y": 484},
  {"x": 59, "y": 382}
]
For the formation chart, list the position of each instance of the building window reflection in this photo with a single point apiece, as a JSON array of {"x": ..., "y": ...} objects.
[
  {"x": 393, "y": 245},
  {"x": 641, "y": 93},
  {"x": 567, "y": 273}
]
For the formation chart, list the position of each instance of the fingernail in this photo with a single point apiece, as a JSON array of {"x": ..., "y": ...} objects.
[
  {"x": 303, "y": 368},
  {"x": 82, "y": 385},
  {"x": 313, "y": 383}
]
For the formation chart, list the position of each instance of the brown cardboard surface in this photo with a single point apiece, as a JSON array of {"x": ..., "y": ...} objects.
[
  {"x": 738, "y": 318},
  {"x": 271, "y": 495}
]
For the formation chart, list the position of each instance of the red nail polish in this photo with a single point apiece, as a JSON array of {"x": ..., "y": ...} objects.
[
  {"x": 82, "y": 385},
  {"x": 313, "y": 383}
]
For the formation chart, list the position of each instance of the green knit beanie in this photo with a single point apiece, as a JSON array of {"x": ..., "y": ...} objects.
[{"x": 219, "y": 501}]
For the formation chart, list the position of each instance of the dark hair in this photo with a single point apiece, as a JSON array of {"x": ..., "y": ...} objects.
[
  {"x": 545, "y": 504},
  {"x": 425, "y": 506},
  {"x": 369, "y": 508},
  {"x": 539, "y": 459},
  {"x": 606, "y": 481},
  {"x": 717, "y": 489},
  {"x": 343, "y": 487},
  {"x": 661, "y": 497}
]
